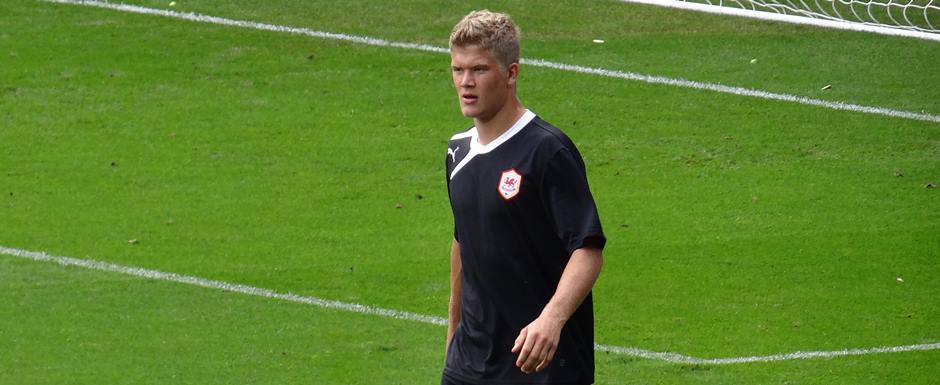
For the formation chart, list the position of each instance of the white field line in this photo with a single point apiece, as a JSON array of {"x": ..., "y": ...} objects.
[
  {"x": 409, "y": 316},
  {"x": 793, "y": 19},
  {"x": 740, "y": 91},
  {"x": 678, "y": 358},
  {"x": 233, "y": 287}
]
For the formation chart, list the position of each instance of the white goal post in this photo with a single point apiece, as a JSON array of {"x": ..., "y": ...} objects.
[{"x": 910, "y": 18}]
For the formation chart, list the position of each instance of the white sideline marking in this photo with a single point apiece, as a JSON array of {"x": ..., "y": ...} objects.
[
  {"x": 740, "y": 91},
  {"x": 409, "y": 316},
  {"x": 786, "y": 18},
  {"x": 678, "y": 358},
  {"x": 238, "y": 288}
]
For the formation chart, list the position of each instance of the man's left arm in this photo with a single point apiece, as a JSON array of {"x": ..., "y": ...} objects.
[{"x": 537, "y": 342}]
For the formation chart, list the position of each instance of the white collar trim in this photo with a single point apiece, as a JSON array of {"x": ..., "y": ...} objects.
[{"x": 478, "y": 148}]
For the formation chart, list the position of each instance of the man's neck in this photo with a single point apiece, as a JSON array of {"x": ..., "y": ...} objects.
[{"x": 489, "y": 130}]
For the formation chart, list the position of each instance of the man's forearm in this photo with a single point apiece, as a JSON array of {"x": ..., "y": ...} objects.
[
  {"x": 453, "y": 306},
  {"x": 453, "y": 317},
  {"x": 576, "y": 282}
]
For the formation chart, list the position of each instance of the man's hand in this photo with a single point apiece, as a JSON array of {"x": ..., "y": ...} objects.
[{"x": 537, "y": 343}]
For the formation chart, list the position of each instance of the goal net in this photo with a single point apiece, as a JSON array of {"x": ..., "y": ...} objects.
[{"x": 920, "y": 18}]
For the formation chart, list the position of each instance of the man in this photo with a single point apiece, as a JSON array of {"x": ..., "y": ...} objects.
[{"x": 527, "y": 238}]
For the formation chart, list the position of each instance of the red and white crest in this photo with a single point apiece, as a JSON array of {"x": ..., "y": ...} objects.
[{"x": 509, "y": 184}]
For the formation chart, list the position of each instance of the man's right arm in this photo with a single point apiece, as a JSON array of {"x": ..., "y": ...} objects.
[{"x": 453, "y": 308}]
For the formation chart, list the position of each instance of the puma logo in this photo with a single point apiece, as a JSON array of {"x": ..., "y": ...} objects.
[{"x": 453, "y": 153}]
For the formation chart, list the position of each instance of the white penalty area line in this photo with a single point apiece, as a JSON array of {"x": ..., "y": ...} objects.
[
  {"x": 415, "y": 317},
  {"x": 652, "y": 79}
]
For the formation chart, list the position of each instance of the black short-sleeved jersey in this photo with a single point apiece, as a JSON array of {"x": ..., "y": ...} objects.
[{"x": 521, "y": 206}]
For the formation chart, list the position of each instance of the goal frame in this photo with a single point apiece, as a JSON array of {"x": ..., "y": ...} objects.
[{"x": 794, "y": 19}]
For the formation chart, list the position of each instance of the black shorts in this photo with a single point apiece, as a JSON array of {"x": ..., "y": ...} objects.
[
  {"x": 445, "y": 380},
  {"x": 452, "y": 381}
]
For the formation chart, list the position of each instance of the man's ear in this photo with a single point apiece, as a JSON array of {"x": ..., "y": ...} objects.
[{"x": 513, "y": 71}]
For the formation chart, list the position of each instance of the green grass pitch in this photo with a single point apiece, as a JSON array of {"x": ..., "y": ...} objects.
[{"x": 738, "y": 226}]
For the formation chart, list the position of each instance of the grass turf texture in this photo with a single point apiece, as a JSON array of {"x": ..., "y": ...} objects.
[
  {"x": 738, "y": 226},
  {"x": 862, "y": 68}
]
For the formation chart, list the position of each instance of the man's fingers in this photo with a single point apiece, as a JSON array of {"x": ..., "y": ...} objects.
[
  {"x": 543, "y": 351},
  {"x": 547, "y": 359},
  {"x": 525, "y": 353},
  {"x": 536, "y": 346},
  {"x": 534, "y": 360},
  {"x": 519, "y": 340},
  {"x": 539, "y": 353}
]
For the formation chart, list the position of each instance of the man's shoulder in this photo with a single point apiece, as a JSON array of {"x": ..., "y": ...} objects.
[
  {"x": 545, "y": 135},
  {"x": 466, "y": 133},
  {"x": 458, "y": 148}
]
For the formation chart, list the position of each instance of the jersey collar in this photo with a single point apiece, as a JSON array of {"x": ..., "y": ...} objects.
[{"x": 478, "y": 148}]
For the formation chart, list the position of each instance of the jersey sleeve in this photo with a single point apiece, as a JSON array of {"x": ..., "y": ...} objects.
[
  {"x": 447, "y": 170},
  {"x": 569, "y": 203}
]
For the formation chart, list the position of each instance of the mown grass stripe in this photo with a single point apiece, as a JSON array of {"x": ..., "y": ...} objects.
[{"x": 652, "y": 79}]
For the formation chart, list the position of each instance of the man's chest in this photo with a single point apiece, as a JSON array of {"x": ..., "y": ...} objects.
[{"x": 495, "y": 186}]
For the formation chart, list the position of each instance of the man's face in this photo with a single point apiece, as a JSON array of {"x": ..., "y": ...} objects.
[{"x": 483, "y": 86}]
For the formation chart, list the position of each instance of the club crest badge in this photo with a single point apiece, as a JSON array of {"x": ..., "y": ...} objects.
[{"x": 509, "y": 184}]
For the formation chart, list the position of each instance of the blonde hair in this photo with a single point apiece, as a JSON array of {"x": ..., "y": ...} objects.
[{"x": 490, "y": 30}]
